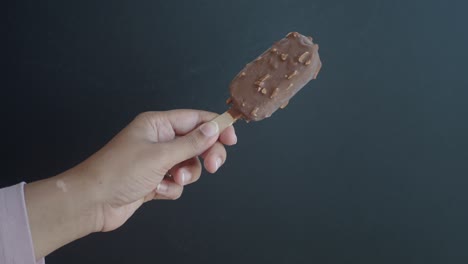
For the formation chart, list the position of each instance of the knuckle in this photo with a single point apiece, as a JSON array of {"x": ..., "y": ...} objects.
[{"x": 144, "y": 115}]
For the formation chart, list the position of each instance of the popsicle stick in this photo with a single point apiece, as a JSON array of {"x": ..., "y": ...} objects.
[{"x": 226, "y": 119}]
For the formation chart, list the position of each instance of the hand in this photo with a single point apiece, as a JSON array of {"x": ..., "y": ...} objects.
[
  {"x": 130, "y": 169},
  {"x": 102, "y": 192}
]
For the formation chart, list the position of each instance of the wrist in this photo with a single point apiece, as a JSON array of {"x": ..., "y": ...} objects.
[
  {"x": 83, "y": 198},
  {"x": 60, "y": 210}
]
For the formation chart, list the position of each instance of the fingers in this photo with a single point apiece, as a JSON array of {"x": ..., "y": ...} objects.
[
  {"x": 168, "y": 190},
  {"x": 184, "y": 120},
  {"x": 228, "y": 136},
  {"x": 187, "y": 172},
  {"x": 214, "y": 157},
  {"x": 188, "y": 146}
]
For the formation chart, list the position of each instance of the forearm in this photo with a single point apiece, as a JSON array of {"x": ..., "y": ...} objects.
[{"x": 60, "y": 209}]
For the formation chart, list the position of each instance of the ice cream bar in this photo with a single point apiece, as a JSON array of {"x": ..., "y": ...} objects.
[{"x": 271, "y": 80}]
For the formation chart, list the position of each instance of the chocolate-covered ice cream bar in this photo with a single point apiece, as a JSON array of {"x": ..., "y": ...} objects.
[{"x": 271, "y": 80}]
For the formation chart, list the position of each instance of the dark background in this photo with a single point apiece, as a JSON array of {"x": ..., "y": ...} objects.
[{"x": 368, "y": 164}]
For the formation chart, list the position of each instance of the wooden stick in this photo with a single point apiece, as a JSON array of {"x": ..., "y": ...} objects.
[{"x": 226, "y": 119}]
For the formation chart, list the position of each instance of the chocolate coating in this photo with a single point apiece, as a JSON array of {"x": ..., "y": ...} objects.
[{"x": 271, "y": 80}]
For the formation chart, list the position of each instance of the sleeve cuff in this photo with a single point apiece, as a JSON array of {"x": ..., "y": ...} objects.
[{"x": 15, "y": 235}]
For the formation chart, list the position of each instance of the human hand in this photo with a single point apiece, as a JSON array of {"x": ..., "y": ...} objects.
[
  {"x": 102, "y": 192},
  {"x": 130, "y": 169}
]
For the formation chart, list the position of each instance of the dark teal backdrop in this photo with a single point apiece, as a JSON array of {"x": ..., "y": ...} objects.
[{"x": 368, "y": 164}]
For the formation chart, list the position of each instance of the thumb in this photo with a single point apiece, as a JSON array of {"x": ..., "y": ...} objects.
[{"x": 192, "y": 144}]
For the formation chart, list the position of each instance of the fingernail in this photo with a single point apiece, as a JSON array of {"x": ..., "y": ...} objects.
[
  {"x": 162, "y": 187},
  {"x": 186, "y": 176},
  {"x": 219, "y": 161},
  {"x": 209, "y": 129}
]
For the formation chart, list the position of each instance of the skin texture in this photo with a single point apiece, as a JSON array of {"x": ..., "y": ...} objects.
[{"x": 102, "y": 193}]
